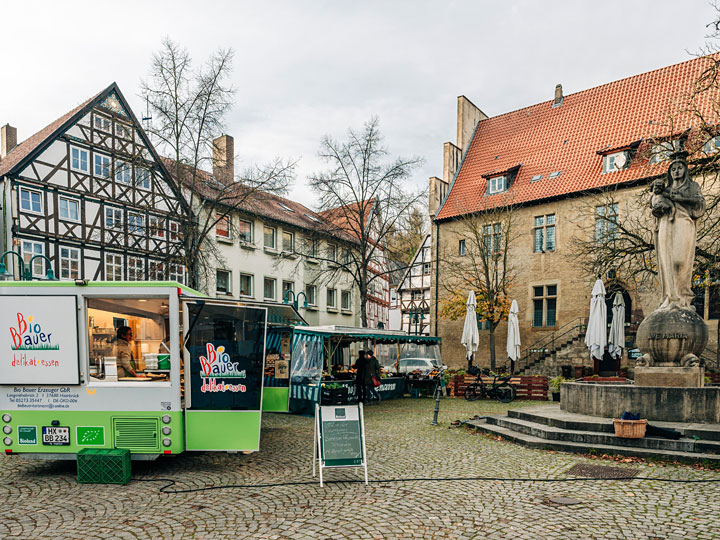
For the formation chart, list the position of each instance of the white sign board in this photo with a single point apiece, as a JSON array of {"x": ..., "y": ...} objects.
[{"x": 38, "y": 340}]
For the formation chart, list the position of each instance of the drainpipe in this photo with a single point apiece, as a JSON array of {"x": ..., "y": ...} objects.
[{"x": 437, "y": 273}]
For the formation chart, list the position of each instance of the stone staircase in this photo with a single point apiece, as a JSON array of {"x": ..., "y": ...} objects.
[{"x": 547, "y": 427}]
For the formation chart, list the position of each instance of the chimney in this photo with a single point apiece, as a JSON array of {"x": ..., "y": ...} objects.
[
  {"x": 224, "y": 159},
  {"x": 8, "y": 139},
  {"x": 558, "y": 96}
]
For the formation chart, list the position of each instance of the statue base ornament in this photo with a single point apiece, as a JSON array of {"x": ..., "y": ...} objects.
[{"x": 672, "y": 338}]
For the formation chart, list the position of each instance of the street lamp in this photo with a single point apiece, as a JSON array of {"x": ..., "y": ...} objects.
[
  {"x": 25, "y": 270},
  {"x": 416, "y": 316},
  {"x": 295, "y": 298},
  {"x": 4, "y": 274}
]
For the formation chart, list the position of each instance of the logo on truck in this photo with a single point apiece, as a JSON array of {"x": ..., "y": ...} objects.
[
  {"x": 30, "y": 336},
  {"x": 217, "y": 364}
]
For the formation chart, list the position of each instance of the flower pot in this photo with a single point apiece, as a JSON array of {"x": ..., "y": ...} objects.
[{"x": 556, "y": 396}]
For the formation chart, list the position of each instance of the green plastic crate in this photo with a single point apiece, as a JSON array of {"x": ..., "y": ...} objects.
[
  {"x": 116, "y": 467},
  {"x": 89, "y": 466},
  {"x": 99, "y": 466}
]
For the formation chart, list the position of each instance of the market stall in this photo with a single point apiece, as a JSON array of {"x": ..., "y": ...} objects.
[{"x": 323, "y": 356}]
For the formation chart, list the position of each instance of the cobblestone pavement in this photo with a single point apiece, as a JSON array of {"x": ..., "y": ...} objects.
[{"x": 43, "y": 500}]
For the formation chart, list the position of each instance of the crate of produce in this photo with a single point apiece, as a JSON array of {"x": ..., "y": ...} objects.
[
  {"x": 334, "y": 396},
  {"x": 89, "y": 466}
]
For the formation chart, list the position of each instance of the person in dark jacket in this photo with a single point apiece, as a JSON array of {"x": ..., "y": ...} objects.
[
  {"x": 374, "y": 366},
  {"x": 362, "y": 376}
]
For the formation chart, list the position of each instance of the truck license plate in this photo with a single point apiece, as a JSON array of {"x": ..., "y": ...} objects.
[{"x": 56, "y": 436}]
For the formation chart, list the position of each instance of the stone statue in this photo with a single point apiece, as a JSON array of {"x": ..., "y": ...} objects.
[
  {"x": 673, "y": 334},
  {"x": 676, "y": 208}
]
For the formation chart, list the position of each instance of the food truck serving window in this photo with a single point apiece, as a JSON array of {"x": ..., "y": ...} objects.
[{"x": 129, "y": 340}]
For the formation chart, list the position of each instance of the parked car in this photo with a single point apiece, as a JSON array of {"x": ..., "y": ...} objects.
[{"x": 423, "y": 365}]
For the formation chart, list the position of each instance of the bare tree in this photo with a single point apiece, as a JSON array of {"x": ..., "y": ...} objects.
[
  {"x": 481, "y": 262},
  {"x": 188, "y": 109},
  {"x": 362, "y": 196},
  {"x": 406, "y": 237}
]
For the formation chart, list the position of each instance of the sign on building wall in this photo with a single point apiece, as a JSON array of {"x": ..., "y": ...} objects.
[{"x": 39, "y": 340}]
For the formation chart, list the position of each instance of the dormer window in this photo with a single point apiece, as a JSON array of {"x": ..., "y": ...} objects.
[
  {"x": 615, "y": 162},
  {"x": 663, "y": 151},
  {"x": 712, "y": 146},
  {"x": 497, "y": 184}
]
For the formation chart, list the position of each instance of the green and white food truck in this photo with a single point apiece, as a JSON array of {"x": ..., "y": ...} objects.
[{"x": 188, "y": 374}]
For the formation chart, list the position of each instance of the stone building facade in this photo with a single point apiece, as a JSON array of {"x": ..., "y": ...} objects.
[{"x": 554, "y": 166}]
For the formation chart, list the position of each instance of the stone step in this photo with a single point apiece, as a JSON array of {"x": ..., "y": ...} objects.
[
  {"x": 595, "y": 438},
  {"x": 565, "y": 446},
  {"x": 552, "y": 415}
]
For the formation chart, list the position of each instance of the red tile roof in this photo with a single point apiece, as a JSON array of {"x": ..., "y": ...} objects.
[
  {"x": 567, "y": 139},
  {"x": 260, "y": 203},
  {"x": 347, "y": 217},
  {"x": 17, "y": 154}
]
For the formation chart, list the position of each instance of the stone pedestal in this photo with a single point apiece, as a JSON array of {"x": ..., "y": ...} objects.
[
  {"x": 678, "y": 377},
  {"x": 674, "y": 337}
]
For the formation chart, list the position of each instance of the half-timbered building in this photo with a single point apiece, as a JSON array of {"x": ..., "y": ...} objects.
[{"x": 90, "y": 193}]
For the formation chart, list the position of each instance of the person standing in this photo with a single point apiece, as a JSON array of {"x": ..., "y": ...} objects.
[
  {"x": 362, "y": 376},
  {"x": 374, "y": 369},
  {"x": 123, "y": 353}
]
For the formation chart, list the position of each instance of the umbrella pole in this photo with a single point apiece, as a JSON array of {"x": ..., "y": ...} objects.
[{"x": 471, "y": 357}]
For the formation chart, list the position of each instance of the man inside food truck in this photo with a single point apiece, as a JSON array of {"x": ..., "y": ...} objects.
[{"x": 123, "y": 352}]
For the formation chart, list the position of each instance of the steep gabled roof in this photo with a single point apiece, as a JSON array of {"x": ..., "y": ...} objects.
[
  {"x": 18, "y": 158},
  {"x": 570, "y": 139}
]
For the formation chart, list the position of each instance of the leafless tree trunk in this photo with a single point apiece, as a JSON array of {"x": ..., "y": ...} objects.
[
  {"x": 362, "y": 196},
  {"x": 480, "y": 260},
  {"x": 188, "y": 108}
]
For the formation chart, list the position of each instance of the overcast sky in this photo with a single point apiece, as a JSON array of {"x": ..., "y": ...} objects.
[{"x": 305, "y": 69}]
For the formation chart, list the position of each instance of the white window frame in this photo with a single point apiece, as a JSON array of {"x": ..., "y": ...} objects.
[
  {"x": 462, "y": 247},
  {"x": 274, "y": 237},
  {"x": 291, "y": 248},
  {"x": 174, "y": 234},
  {"x": 497, "y": 184},
  {"x": 284, "y": 290},
  {"x": 135, "y": 268},
  {"x": 157, "y": 227},
  {"x": 662, "y": 151},
  {"x": 226, "y": 219},
  {"x": 176, "y": 272},
  {"x": 608, "y": 163},
  {"x": 102, "y": 162},
  {"x": 542, "y": 223},
  {"x": 123, "y": 172},
  {"x": 346, "y": 294},
  {"x": 68, "y": 200},
  {"x": 113, "y": 261},
  {"x": 274, "y": 281},
  {"x": 228, "y": 273},
  {"x": 132, "y": 223},
  {"x": 332, "y": 252},
  {"x": 143, "y": 178},
  {"x": 251, "y": 280},
  {"x": 241, "y": 234},
  {"x": 68, "y": 255},
  {"x": 80, "y": 153},
  {"x": 334, "y": 295},
  {"x": 106, "y": 124},
  {"x": 30, "y": 193},
  {"x": 33, "y": 245},
  {"x": 156, "y": 271},
  {"x": 116, "y": 218},
  {"x": 310, "y": 302}
]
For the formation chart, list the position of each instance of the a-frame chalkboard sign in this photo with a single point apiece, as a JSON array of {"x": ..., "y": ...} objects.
[{"x": 339, "y": 439}]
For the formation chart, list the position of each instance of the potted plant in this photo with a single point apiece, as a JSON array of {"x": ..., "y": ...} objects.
[{"x": 555, "y": 386}]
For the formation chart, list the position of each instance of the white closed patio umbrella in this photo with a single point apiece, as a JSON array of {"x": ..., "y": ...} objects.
[
  {"x": 470, "y": 336},
  {"x": 616, "y": 340},
  {"x": 596, "y": 336},
  {"x": 513, "y": 335}
]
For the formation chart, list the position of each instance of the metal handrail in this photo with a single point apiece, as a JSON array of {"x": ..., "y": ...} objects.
[{"x": 573, "y": 325}]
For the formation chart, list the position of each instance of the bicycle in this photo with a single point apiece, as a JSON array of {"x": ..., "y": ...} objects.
[{"x": 500, "y": 389}]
